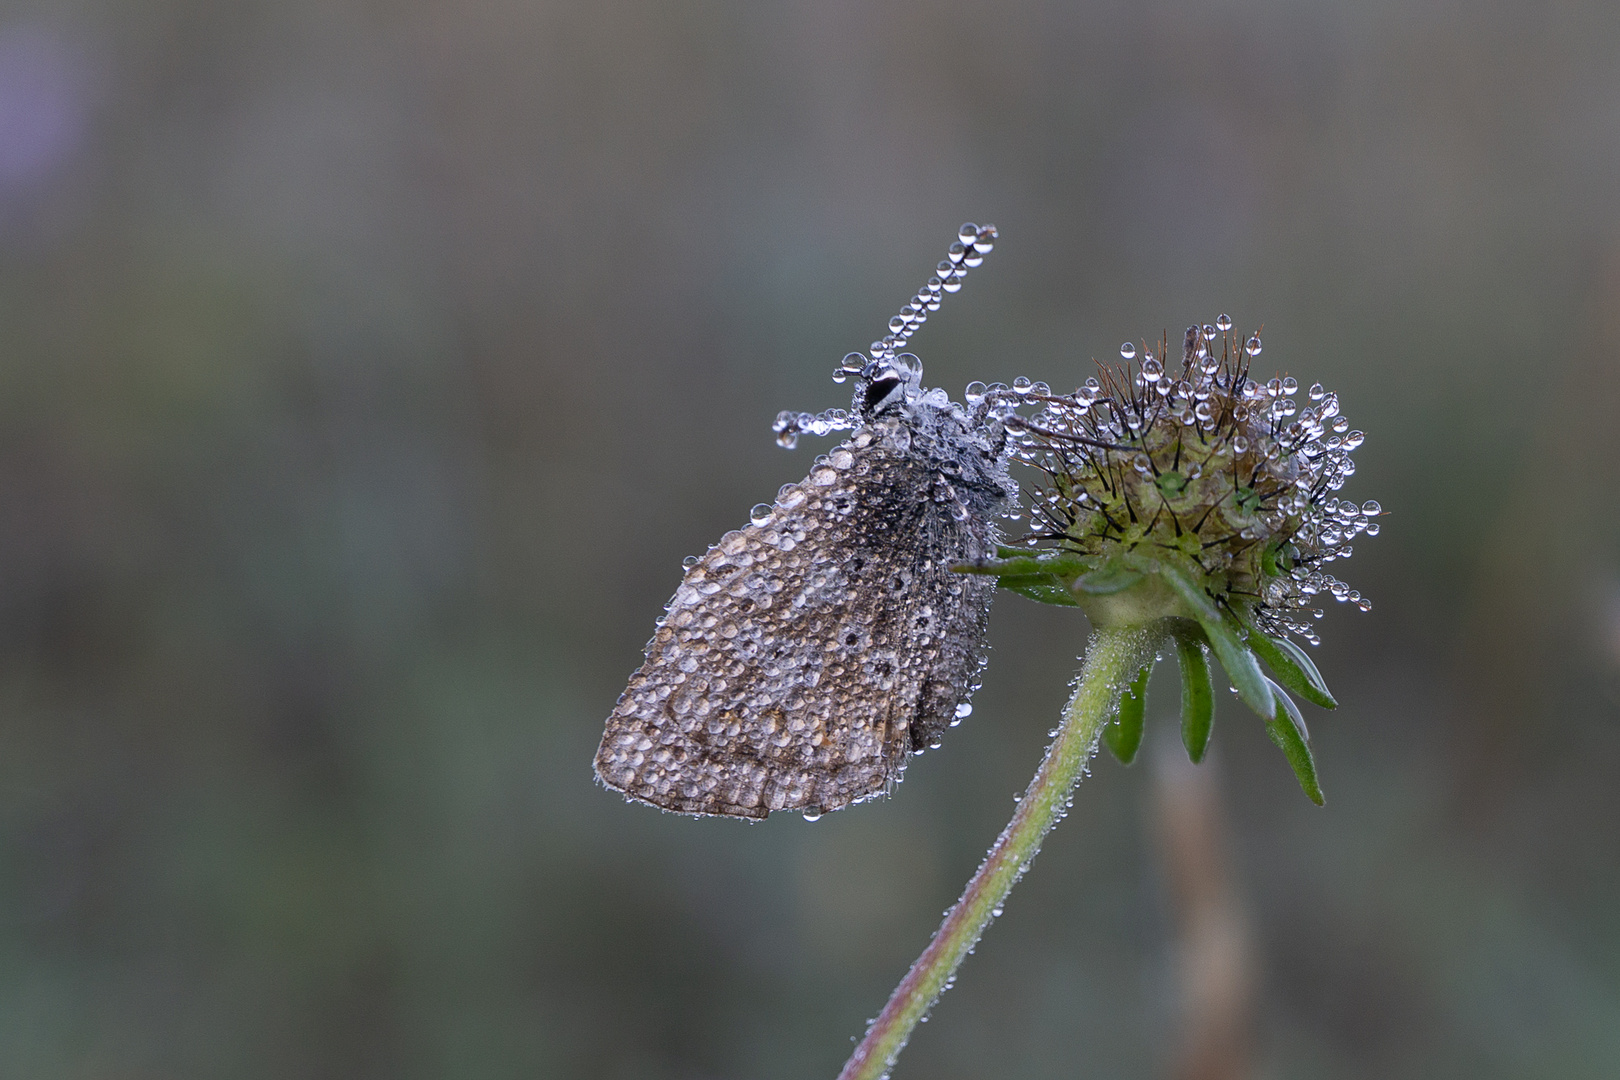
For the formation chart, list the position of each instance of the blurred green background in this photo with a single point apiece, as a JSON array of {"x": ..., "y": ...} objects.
[{"x": 368, "y": 368}]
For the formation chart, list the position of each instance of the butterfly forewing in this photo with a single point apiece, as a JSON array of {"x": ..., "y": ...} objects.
[{"x": 802, "y": 659}]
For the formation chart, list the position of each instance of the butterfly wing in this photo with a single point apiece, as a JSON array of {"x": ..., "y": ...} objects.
[{"x": 802, "y": 660}]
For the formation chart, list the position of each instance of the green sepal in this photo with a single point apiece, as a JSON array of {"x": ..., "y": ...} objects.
[
  {"x": 1045, "y": 589},
  {"x": 1253, "y": 687},
  {"x": 1039, "y": 577},
  {"x": 1197, "y": 697},
  {"x": 1287, "y": 730},
  {"x": 1112, "y": 577},
  {"x": 1292, "y": 667},
  {"x": 1123, "y": 734},
  {"x": 1014, "y": 562}
]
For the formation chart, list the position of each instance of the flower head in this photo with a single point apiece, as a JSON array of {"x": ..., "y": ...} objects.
[{"x": 1190, "y": 497}]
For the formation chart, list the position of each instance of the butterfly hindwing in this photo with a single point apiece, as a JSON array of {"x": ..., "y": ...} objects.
[{"x": 803, "y": 659}]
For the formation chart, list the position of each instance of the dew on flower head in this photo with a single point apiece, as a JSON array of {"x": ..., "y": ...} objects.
[{"x": 1274, "y": 464}]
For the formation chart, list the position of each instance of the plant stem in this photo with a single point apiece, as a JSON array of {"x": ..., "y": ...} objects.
[{"x": 1112, "y": 657}]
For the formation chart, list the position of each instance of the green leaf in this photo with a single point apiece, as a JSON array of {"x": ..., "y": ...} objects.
[
  {"x": 1253, "y": 687},
  {"x": 1124, "y": 733},
  {"x": 1197, "y": 697},
  {"x": 1292, "y": 667},
  {"x": 1287, "y": 730}
]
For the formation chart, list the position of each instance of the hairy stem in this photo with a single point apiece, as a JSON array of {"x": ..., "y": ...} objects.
[{"x": 1112, "y": 658}]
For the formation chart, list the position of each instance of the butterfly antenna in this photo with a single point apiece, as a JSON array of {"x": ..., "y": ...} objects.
[{"x": 973, "y": 243}]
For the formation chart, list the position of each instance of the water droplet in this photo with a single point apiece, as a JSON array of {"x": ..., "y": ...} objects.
[
  {"x": 968, "y": 233},
  {"x": 1021, "y": 385},
  {"x": 1152, "y": 370},
  {"x": 1252, "y": 347},
  {"x": 760, "y": 514},
  {"x": 995, "y": 912},
  {"x": 974, "y": 392},
  {"x": 1209, "y": 332},
  {"x": 812, "y": 815},
  {"x": 1370, "y": 508},
  {"x": 689, "y": 562},
  {"x": 1224, "y": 323},
  {"x": 1289, "y": 385},
  {"x": 964, "y": 710},
  {"x": 1127, "y": 351}
]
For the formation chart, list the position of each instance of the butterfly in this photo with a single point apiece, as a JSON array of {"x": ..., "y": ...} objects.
[{"x": 806, "y": 656}]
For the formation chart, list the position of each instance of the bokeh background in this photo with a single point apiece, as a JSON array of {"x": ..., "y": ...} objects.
[{"x": 366, "y": 370}]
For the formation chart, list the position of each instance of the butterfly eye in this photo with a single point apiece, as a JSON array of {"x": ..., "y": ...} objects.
[{"x": 879, "y": 389}]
